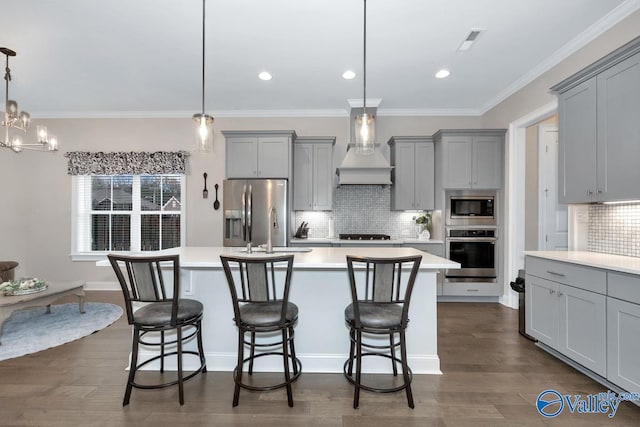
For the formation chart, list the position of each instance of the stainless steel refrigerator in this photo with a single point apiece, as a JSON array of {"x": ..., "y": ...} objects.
[{"x": 246, "y": 204}]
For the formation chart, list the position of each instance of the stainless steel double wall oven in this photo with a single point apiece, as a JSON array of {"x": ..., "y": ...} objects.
[{"x": 471, "y": 225}]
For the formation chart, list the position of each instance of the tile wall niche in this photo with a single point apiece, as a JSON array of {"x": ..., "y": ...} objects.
[
  {"x": 360, "y": 209},
  {"x": 614, "y": 229}
]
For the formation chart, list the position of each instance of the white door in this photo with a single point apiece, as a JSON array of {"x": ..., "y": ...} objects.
[{"x": 553, "y": 231}]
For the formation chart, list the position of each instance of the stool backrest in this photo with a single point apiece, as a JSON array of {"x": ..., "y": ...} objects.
[
  {"x": 142, "y": 280},
  {"x": 382, "y": 281},
  {"x": 258, "y": 279}
]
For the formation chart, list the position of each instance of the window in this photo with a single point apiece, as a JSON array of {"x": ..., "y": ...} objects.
[{"x": 126, "y": 213}]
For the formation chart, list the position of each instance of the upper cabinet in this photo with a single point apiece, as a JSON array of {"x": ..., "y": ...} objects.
[
  {"x": 258, "y": 154},
  {"x": 313, "y": 173},
  {"x": 413, "y": 174},
  {"x": 471, "y": 158},
  {"x": 599, "y": 130}
]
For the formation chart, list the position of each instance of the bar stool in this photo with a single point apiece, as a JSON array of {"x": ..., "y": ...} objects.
[
  {"x": 143, "y": 282},
  {"x": 380, "y": 292},
  {"x": 259, "y": 289}
]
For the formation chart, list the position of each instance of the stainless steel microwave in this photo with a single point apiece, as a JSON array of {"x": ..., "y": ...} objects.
[{"x": 471, "y": 208}]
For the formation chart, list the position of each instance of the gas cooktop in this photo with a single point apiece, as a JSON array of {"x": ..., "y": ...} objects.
[{"x": 364, "y": 237}]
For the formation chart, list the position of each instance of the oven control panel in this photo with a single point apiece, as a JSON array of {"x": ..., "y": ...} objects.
[{"x": 470, "y": 232}]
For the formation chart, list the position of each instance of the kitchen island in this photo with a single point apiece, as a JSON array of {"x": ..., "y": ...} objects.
[{"x": 320, "y": 288}]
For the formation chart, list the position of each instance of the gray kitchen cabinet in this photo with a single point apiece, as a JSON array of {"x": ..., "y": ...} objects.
[
  {"x": 471, "y": 289},
  {"x": 577, "y": 144},
  {"x": 413, "y": 159},
  {"x": 582, "y": 328},
  {"x": 619, "y": 131},
  {"x": 599, "y": 133},
  {"x": 313, "y": 173},
  {"x": 542, "y": 310},
  {"x": 258, "y": 154},
  {"x": 623, "y": 330},
  {"x": 566, "y": 310},
  {"x": 471, "y": 158}
]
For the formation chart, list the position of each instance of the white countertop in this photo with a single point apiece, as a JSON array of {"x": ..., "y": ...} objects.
[
  {"x": 336, "y": 241},
  {"x": 624, "y": 264},
  {"x": 318, "y": 258}
]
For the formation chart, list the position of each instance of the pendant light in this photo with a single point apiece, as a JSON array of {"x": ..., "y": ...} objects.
[
  {"x": 204, "y": 136},
  {"x": 13, "y": 118},
  {"x": 365, "y": 123}
]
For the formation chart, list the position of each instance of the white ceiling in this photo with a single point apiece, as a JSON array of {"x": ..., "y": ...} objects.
[{"x": 132, "y": 58}]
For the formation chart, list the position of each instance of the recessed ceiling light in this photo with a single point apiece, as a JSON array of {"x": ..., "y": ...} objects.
[
  {"x": 264, "y": 76},
  {"x": 442, "y": 73},
  {"x": 348, "y": 75}
]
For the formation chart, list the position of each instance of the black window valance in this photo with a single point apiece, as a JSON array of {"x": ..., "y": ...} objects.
[{"x": 126, "y": 163}]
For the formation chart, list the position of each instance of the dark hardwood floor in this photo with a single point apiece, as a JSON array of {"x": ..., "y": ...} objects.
[{"x": 491, "y": 377}]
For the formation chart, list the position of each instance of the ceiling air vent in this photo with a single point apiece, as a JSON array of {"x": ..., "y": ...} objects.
[{"x": 471, "y": 37}]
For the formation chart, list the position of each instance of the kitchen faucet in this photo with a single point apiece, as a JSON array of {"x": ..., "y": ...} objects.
[{"x": 273, "y": 218}]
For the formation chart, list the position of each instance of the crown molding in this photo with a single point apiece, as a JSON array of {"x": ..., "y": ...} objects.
[
  {"x": 359, "y": 103},
  {"x": 428, "y": 112},
  {"x": 189, "y": 114}
]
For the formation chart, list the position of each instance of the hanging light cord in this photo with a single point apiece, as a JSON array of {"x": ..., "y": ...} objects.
[
  {"x": 203, "y": 52},
  {"x": 364, "y": 74}
]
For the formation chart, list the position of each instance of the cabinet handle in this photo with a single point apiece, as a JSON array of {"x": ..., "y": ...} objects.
[
  {"x": 473, "y": 290},
  {"x": 600, "y": 191},
  {"x": 560, "y": 294},
  {"x": 551, "y": 292},
  {"x": 555, "y": 274},
  {"x": 589, "y": 193}
]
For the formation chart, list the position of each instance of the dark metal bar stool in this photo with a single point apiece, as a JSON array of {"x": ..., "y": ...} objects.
[
  {"x": 380, "y": 291},
  {"x": 142, "y": 281},
  {"x": 260, "y": 293}
]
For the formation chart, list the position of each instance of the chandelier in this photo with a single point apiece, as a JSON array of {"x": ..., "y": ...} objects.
[
  {"x": 204, "y": 139},
  {"x": 365, "y": 123},
  {"x": 21, "y": 120}
]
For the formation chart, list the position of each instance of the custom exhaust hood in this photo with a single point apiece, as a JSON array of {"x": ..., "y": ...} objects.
[{"x": 363, "y": 169}]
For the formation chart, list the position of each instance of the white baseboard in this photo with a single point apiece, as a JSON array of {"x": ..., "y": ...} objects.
[
  {"x": 311, "y": 363},
  {"x": 102, "y": 286}
]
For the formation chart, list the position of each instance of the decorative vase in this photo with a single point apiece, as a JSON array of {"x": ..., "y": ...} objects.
[{"x": 424, "y": 235}]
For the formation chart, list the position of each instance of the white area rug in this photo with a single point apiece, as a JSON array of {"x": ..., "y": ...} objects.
[{"x": 32, "y": 330}]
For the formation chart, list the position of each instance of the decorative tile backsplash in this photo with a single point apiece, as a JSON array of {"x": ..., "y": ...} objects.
[
  {"x": 614, "y": 229},
  {"x": 360, "y": 209}
]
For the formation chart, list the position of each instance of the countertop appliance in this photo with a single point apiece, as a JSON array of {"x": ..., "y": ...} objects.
[
  {"x": 246, "y": 204},
  {"x": 476, "y": 250},
  {"x": 471, "y": 207}
]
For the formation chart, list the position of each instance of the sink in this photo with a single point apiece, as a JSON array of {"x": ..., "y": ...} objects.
[{"x": 279, "y": 250}]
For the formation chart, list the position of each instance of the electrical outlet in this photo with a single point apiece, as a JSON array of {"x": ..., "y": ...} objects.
[
  {"x": 405, "y": 232},
  {"x": 582, "y": 216}
]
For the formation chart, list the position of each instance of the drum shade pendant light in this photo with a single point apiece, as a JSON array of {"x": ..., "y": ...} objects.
[
  {"x": 21, "y": 120},
  {"x": 365, "y": 123},
  {"x": 204, "y": 137}
]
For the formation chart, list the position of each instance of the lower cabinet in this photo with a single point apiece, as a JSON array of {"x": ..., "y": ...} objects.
[
  {"x": 582, "y": 324},
  {"x": 568, "y": 319},
  {"x": 623, "y": 331},
  {"x": 542, "y": 310},
  {"x": 599, "y": 330},
  {"x": 623, "y": 346},
  {"x": 472, "y": 289}
]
